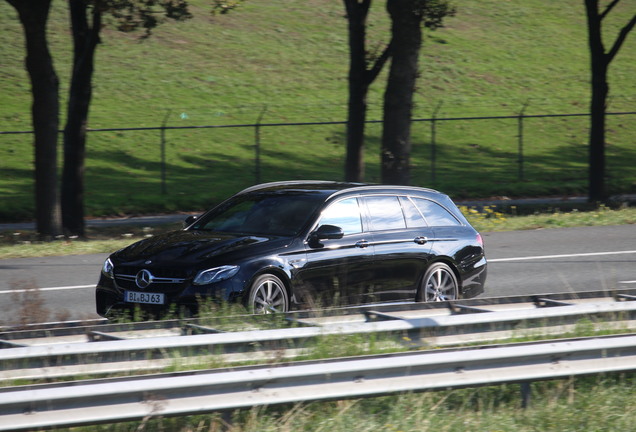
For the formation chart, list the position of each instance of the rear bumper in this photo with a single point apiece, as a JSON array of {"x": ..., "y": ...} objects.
[{"x": 474, "y": 281}]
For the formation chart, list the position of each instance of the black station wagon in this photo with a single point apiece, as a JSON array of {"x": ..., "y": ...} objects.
[{"x": 304, "y": 244}]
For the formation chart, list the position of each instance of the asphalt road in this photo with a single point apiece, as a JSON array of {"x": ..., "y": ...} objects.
[{"x": 520, "y": 263}]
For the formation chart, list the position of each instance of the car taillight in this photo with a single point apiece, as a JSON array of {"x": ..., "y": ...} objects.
[{"x": 480, "y": 240}]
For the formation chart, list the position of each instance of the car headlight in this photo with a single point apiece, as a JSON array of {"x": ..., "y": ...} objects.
[
  {"x": 215, "y": 274},
  {"x": 107, "y": 269}
]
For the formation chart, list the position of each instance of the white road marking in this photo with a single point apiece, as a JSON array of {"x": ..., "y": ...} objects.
[
  {"x": 628, "y": 282},
  {"x": 48, "y": 289},
  {"x": 561, "y": 256}
]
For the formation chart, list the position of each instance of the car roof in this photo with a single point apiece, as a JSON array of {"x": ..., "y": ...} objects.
[{"x": 332, "y": 188}]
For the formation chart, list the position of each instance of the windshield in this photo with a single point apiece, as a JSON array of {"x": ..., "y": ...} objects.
[{"x": 280, "y": 214}]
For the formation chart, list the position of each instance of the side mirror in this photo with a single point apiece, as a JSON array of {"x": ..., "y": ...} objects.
[
  {"x": 325, "y": 232},
  {"x": 189, "y": 221}
]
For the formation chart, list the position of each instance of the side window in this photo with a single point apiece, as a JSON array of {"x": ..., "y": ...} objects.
[
  {"x": 385, "y": 213},
  {"x": 413, "y": 216},
  {"x": 435, "y": 214},
  {"x": 344, "y": 214}
]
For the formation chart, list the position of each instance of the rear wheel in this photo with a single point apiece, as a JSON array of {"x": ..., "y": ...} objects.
[
  {"x": 439, "y": 284},
  {"x": 268, "y": 295}
]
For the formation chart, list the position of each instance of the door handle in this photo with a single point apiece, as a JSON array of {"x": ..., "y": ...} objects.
[
  {"x": 362, "y": 244},
  {"x": 420, "y": 240}
]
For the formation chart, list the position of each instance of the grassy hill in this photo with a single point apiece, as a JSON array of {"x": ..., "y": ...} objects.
[{"x": 286, "y": 61}]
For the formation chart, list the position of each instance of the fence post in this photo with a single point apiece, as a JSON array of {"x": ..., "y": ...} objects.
[
  {"x": 257, "y": 146},
  {"x": 163, "y": 153},
  {"x": 520, "y": 139},
  {"x": 434, "y": 140}
]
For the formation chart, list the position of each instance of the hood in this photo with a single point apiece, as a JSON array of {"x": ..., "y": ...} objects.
[{"x": 187, "y": 246}]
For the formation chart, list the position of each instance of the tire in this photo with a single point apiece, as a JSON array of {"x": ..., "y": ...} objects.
[
  {"x": 268, "y": 295},
  {"x": 439, "y": 284}
]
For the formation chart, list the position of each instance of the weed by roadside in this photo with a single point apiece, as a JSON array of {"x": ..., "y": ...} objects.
[
  {"x": 29, "y": 306},
  {"x": 490, "y": 219}
]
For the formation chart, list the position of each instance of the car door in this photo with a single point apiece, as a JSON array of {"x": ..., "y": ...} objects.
[
  {"x": 456, "y": 241},
  {"x": 447, "y": 229},
  {"x": 402, "y": 243},
  {"x": 337, "y": 270}
]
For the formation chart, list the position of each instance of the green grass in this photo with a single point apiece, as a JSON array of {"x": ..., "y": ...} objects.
[
  {"x": 489, "y": 219},
  {"x": 290, "y": 58}
]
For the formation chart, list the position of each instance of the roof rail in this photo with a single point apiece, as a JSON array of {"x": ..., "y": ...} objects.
[
  {"x": 396, "y": 187},
  {"x": 290, "y": 183}
]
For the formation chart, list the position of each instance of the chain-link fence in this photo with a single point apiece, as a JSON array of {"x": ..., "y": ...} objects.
[{"x": 463, "y": 156}]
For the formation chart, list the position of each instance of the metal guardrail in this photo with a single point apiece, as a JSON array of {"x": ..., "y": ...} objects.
[
  {"x": 134, "y": 398},
  {"x": 408, "y": 326},
  {"x": 93, "y": 330},
  {"x": 155, "y": 346}
]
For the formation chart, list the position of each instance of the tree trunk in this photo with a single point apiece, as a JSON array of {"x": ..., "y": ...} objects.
[
  {"x": 360, "y": 78},
  {"x": 600, "y": 61},
  {"x": 85, "y": 40},
  {"x": 45, "y": 113},
  {"x": 358, "y": 88},
  {"x": 398, "y": 97},
  {"x": 600, "y": 89}
]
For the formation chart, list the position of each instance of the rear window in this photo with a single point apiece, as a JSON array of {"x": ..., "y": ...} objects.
[
  {"x": 435, "y": 214},
  {"x": 412, "y": 215}
]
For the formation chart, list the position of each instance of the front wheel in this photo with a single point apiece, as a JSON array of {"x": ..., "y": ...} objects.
[
  {"x": 439, "y": 284},
  {"x": 268, "y": 295}
]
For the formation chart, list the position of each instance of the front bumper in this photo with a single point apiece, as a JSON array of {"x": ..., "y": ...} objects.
[{"x": 109, "y": 296}]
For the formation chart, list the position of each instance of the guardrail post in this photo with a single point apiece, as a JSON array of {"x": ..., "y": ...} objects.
[{"x": 526, "y": 393}]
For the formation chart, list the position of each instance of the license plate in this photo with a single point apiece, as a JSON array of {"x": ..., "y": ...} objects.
[{"x": 143, "y": 297}]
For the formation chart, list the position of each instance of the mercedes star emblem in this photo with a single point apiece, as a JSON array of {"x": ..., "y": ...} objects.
[{"x": 143, "y": 278}]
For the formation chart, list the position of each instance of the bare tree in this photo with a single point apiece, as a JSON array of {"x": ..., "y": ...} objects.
[
  {"x": 130, "y": 15},
  {"x": 86, "y": 24},
  {"x": 407, "y": 18},
  {"x": 85, "y": 40},
  {"x": 363, "y": 70},
  {"x": 45, "y": 113},
  {"x": 600, "y": 60}
]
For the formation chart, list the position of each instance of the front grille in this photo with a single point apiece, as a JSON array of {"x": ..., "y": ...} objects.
[
  {"x": 159, "y": 272},
  {"x": 157, "y": 280}
]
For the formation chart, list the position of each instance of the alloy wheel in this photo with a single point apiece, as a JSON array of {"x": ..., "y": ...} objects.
[
  {"x": 268, "y": 295},
  {"x": 440, "y": 284}
]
